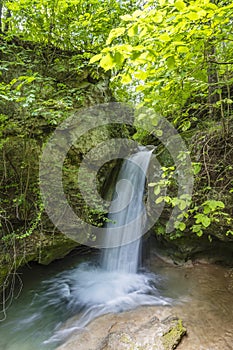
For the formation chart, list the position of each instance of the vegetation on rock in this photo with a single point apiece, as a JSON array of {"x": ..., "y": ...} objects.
[{"x": 174, "y": 335}]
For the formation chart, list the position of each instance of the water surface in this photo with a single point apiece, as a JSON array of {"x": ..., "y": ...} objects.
[{"x": 202, "y": 295}]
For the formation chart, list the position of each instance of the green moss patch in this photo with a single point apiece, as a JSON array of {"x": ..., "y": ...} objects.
[{"x": 173, "y": 336}]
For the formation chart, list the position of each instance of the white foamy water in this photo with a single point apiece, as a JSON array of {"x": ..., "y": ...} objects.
[
  {"x": 128, "y": 215},
  {"x": 91, "y": 292}
]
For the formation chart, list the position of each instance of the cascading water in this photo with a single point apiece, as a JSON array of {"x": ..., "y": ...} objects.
[
  {"x": 114, "y": 285},
  {"x": 127, "y": 206}
]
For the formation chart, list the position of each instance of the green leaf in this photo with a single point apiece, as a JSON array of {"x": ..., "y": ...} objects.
[
  {"x": 183, "y": 49},
  {"x": 157, "y": 190},
  {"x": 193, "y": 16},
  {"x": 118, "y": 58},
  {"x": 107, "y": 62},
  {"x": 115, "y": 33},
  {"x": 170, "y": 61},
  {"x": 206, "y": 221},
  {"x": 212, "y": 205},
  {"x": 180, "y": 5},
  {"x": 197, "y": 229},
  {"x": 164, "y": 37},
  {"x": 186, "y": 125},
  {"x": 196, "y": 168},
  {"x": 132, "y": 31},
  {"x": 203, "y": 219},
  {"x": 159, "y": 200},
  {"x": 202, "y": 13},
  {"x": 182, "y": 204},
  {"x": 126, "y": 79},
  {"x": 137, "y": 13},
  {"x": 159, "y": 132},
  {"x": 180, "y": 225},
  {"x": 96, "y": 58},
  {"x": 158, "y": 17},
  {"x": 141, "y": 75},
  {"x": 160, "y": 230},
  {"x": 199, "y": 233}
]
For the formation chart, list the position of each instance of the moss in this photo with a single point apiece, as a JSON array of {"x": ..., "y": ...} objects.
[
  {"x": 42, "y": 249},
  {"x": 173, "y": 336},
  {"x": 55, "y": 251},
  {"x": 127, "y": 341}
]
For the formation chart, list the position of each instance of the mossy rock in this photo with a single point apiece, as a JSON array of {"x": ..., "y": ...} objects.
[
  {"x": 172, "y": 338},
  {"x": 55, "y": 251}
]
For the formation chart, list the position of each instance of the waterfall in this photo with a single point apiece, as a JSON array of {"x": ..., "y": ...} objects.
[
  {"x": 115, "y": 286},
  {"x": 127, "y": 215}
]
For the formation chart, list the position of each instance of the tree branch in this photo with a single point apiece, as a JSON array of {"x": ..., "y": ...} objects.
[{"x": 216, "y": 62}]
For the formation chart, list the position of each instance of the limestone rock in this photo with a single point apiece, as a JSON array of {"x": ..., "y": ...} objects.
[{"x": 146, "y": 328}]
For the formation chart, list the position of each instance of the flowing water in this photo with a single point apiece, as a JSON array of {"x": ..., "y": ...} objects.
[
  {"x": 127, "y": 216},
  {"x": 115, "y": 285},
  {"x": 201, "y": 295}
]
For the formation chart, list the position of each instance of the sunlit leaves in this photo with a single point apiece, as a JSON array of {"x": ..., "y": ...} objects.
[
  {"x": 126, "y": 79},
  {"x": 165, "y": 61},
  {"x": 132, "y": 31},
  {"x": 164, "y": 37},
  {"x": 171, "y": 60},
  {"x": 115, "y": 33},
  {"x": 72, "y": 24},
  {"x": 96, "y": 58},
  {"x": 179, "y": 5},
  {"x": 141, "y": 75},
  {"x": 212, "y": 205},
  {"x": 202, "y": 219},
  {"x": 107, "y": 62},
  {"x": 126, "y": 18}
]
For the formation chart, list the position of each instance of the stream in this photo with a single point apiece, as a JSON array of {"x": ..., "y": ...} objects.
[{"x": 201, "y": 295}]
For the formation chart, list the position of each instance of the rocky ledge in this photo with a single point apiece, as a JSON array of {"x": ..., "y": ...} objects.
[{"x": 146, "y": 328}]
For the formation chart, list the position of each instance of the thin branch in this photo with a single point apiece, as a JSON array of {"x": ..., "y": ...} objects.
[{"x": 216, "y": 62}]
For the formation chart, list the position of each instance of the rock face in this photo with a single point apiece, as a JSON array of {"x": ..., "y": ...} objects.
[{"x": 146, "y": 328}]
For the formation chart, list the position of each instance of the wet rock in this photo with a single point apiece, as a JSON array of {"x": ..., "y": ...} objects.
[
  {"x": 192, "y": 249},
  {"x": 175, "y": 333},
  {"x": 146, "y": 328}
]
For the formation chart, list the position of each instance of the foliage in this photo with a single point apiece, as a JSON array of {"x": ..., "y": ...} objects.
[
  {"x": 175, "y": 56},
  {"x": 69, "y": 24},
  {"x": 45, "y": 48},
  {"x": 199, "y": 217}
]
